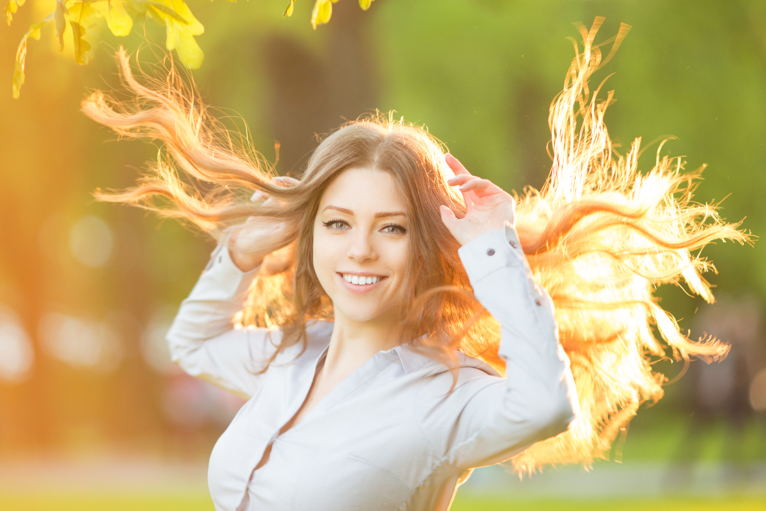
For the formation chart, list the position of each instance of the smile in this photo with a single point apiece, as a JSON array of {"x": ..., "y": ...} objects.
[
  {"x": 361, "y": 280},
  {"x": 360, "y": 283}
]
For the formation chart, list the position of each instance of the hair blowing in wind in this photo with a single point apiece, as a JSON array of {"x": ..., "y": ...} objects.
[{"x": 599, "y": 236}]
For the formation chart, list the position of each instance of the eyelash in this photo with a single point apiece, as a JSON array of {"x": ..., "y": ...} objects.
[
  {"x": 401, "y": 229},
  {"x": 328, "y": 224}
]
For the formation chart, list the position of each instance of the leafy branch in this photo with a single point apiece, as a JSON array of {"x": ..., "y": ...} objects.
[{"x": 180, "y": 26}]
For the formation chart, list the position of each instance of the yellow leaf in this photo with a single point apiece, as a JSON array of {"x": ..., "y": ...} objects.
[
  {"x": 321, "y": 13},
  {"x": 85, "y": 14},
  {"x": 117, "y": 18},
  {"x": 10, "y": 9},
  {"x": 365, "y": 4},
  {"x": 18, "y": 69},
  {"x": 34, "y": 30},
  {"x": 60, "y": 16},
  {"x": 82, "y": 16},
  {"x": 191, "y": 24},
  {"x": 81, "y": 46},
  {"x": 179, "y": 36},
  {"x": 21, "y": 55},
  {"x": 289, "y": 10},
  {"x": 189, "y": 51}
]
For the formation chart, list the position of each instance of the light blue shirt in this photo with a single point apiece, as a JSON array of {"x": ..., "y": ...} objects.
[{"x": 389, "y": 437}]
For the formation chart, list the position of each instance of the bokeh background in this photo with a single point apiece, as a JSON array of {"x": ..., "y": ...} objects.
[{"x": 92, "y": 413}]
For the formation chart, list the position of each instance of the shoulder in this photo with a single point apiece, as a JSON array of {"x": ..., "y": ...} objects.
[
  {"x": 318, "y": 333},
  {"x": 438, "y": 406},
  {"x": 473, "y": 365},
  {"x": 469, "y": 367}
]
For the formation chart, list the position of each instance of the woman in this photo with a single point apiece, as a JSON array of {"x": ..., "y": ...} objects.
[{"x": 358, "y": 292}]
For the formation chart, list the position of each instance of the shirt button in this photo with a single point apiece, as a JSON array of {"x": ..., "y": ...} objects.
[
  {"x": 538, "y": 302},
  {"x": 513, "y": 243},
  {"x": 220, "y": 259},
  {"x": 490, "y": 251}
]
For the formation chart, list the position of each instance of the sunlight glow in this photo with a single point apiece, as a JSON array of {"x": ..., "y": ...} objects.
[
  {"x": 91, "y": 241},
  {"x": 81, "y": 343},
  {"x": 16, "y": 354}
]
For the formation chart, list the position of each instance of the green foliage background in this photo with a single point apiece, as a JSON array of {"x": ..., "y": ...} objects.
[{"x": 479, "y": 73}]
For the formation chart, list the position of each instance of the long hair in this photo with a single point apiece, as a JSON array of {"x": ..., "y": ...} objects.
[{"x": 599, "y": 236}]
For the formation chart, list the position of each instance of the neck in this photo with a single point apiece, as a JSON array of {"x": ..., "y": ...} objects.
[{"x": 353, "y": 343}]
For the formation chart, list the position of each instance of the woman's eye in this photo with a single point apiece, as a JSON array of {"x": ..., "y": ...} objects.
[
  {"x": 335, "y": 225},
  {"x": 394, "y": 229}
]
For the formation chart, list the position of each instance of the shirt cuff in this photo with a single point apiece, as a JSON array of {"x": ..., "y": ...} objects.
[
  {"x": 491, "y": 251},
  {"x": 230, "y": 279}
]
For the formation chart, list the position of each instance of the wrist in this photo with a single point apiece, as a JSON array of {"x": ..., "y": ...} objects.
[{"x": 244, "y": 262}]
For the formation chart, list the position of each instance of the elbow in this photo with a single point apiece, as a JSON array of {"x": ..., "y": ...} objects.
[
  {"x": 560, "y": 418},
  {"x": 558, "y": 412},
  {"x": 181, "y": 354}
]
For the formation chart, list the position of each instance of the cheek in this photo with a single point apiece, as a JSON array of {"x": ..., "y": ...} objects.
[
  {"x": 324, "y": 257},
  {"x": 399, "y": 257}
]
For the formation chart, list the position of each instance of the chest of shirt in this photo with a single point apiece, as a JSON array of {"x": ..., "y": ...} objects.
[{"x": 363, "y": 432}]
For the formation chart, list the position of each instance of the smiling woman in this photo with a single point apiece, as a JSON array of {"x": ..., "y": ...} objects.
[
  {"x": 360, "y": 255},
  {"x": 392, "y": 325}
]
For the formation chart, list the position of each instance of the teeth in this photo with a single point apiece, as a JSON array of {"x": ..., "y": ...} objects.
[{"x": 360, "y": 280}]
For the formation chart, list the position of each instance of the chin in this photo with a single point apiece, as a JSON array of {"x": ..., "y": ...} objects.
[{"x": 358, "y": 314}]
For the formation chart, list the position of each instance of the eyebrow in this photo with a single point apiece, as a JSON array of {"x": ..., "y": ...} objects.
[{"x": 381, "y": 214}]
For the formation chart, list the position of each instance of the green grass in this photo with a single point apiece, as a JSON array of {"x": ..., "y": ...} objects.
[
  {"x": 202, "y": 503},
  {"x": 665, "y": 504},
  {"x": 108, "y": 502}
]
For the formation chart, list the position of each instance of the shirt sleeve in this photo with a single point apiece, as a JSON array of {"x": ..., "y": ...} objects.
[
  {"x": 537, "y": 399},
  {"x": 202, "y": 338}
]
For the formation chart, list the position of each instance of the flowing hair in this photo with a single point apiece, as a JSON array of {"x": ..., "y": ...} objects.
[{"x": 599, "y": 237}]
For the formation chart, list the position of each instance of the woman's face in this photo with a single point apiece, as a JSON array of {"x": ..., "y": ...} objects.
[{"x": 361, "y": 245}]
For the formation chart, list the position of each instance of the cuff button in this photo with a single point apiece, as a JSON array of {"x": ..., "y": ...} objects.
[{"x": 490, "y": 251}]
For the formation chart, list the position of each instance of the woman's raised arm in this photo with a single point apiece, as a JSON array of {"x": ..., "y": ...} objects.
[
  {"x": 202, "y": 338},
  {"x": 538, "y": 399}
]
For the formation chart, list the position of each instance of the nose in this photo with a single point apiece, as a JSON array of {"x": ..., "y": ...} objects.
[{"x": 361, "y": 248}]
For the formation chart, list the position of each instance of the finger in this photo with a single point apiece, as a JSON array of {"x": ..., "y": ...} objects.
[
  {"x": 475, "y": 185},
  {"x": 469, "y": 198},
  {"x": 448, "y": 216},
  {"x": 285, "y": 181},
  {"x": 486, "y": 187},
  {"x": 455, "y": 165},
  {"x": 460, "y": 179},
  {"x": 258, "y": 196}
]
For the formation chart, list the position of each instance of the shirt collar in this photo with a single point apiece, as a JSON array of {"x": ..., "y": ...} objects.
[{"x": 412, "y": 360}]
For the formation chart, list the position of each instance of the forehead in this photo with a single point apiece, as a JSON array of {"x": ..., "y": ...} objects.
[{"x": 364, "y": 190}]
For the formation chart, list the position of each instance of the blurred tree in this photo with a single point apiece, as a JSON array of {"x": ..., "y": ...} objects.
[{"x": 480, "y": 73}]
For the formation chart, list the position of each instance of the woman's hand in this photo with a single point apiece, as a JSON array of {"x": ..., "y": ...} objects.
[
  {"x": 488, "y": 207},
  {"x": 251, "y": 242}
]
